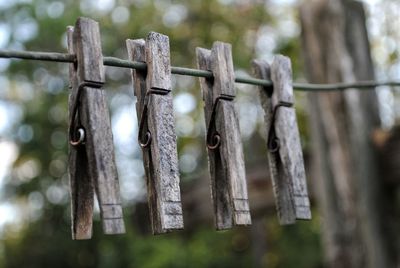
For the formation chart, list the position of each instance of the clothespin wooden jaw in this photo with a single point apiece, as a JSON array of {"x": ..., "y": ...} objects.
[
  {"x": 222, "y": 68},
  {"x": 283, "y": 140},
  {"x": 92, "y": 164},
  {"x": 158, "y": 62},
  {"x": 225, "y": 152},
  {"x": 287, "y": 131},
  {"x": 89, "y": 56},
  {"x": 157, "y": 131},
  {"x": 281, "y": 73}
]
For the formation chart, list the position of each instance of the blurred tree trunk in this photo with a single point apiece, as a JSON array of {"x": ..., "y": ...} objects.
[{"x": 348, "y": 188}]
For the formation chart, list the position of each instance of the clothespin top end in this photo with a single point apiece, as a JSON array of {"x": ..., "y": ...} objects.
[
  {"x": 282, "y": 80},
  {"x": 158, "y": 61},
  {"x": 82, "y": 20},
  {"x": 262, "y": 69},
  {"x": 88, "y": 51},
  {"x": 203, "y": 55},
  {"x": 222, "y": 44},
  {"x": 135, "y": 41},
  {"x": 222, "y": 68}
]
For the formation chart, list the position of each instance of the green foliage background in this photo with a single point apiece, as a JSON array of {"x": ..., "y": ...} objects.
[{"x": 42, "y": 239}]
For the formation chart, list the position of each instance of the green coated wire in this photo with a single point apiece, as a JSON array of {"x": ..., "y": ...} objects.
[{"x": 117, "y": 62}]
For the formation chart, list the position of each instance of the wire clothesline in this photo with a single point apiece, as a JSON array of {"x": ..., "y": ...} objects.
[{"x": 117, "y": 62}]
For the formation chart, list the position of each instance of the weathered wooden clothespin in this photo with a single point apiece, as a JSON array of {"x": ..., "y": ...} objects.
[
  {"x": 225, "y": 152},
  {"x": 285, "y": 155},
  {"x": 91, "y": 157},
  {"x": 157, "y": 130}
]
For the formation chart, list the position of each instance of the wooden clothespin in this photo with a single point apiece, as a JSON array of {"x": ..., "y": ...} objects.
[
  {"x": 225, "y": 152},
  {"x": 91, "y": 158},
  {"x": 157, "y": 137},
  {"x": 285, "y": 155}
]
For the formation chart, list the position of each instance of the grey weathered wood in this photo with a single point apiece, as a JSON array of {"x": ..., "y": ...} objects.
[
  {"x": 219, "y": 190},
  {"x": 95, "y": 119},
  {"x": 220, "y": 194},
  {"x": 136, "y": 52},
  {"x": 158, "y": 61},
  {"x": 286, "y": 129},
  {"x": 280, "y": 183},
  {"x": 88, "y": 51},
  {"x": 223, "y": 71},
  {"x": 227, "y": 125},
  {"x": 226, "y": 163},
  {"x": 160, "y": 159},
  {"x": 81, "y": 184}
]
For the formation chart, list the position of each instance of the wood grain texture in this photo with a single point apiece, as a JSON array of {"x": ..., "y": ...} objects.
[
  {"x": 286, "y": 129},
  {"x": 96, "y": 122},
  {"x": 222, "y": 68},
  {"x": 160, "y": 159},
  {"x": 162, "y": 128},
  {"x": 81, "y": 184},
  {"x": 136, "y": 52},
  {"x": 223, "y": 212},
  {"x": 227, "y": 125},
  {"x": 281, "y": 184},
  {"x": 158, "y": 61},
  {"x": 226, "y": 163},
  {"x": 90, "y": 57}
]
